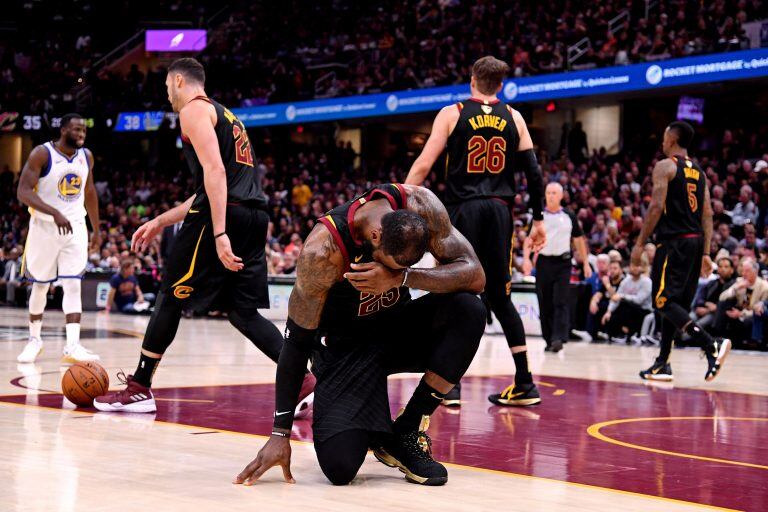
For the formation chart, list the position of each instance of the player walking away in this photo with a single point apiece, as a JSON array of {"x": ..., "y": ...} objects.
[
  {"x": 57, "y": 186},
  {"x": 486, "y": 140},
  {"x": 218, "y": 259},
  {"x": 351, "y": 310},
  {"x": 680, "y": 215}
]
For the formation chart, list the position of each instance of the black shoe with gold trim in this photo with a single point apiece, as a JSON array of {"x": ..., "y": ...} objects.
[
  {"x": 411, "y": 453},
  {"x": 517, "y": 396},
  {"x": 659, "y": 370},
  {"x": 453, "y": 397}
]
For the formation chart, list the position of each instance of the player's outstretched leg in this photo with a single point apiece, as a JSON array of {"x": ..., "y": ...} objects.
[
  {"x": 523, "y": 391},
  {"x": 137, "y": 395}
]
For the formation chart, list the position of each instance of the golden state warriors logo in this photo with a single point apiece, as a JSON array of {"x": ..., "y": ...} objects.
[{"x": 70, "y": 186}]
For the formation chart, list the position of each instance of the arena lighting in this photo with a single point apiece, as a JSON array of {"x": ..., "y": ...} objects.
[
  {"x": 551, "y": 106},
  {"x": 300, "y": 129}
]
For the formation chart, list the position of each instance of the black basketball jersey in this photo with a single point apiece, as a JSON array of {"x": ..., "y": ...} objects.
[
  {"x": 479, "y": 161},
  {"x": 346, "y": 309},
  {"x": 685, "y": 196},
  {"x": 243, "y": 184}
]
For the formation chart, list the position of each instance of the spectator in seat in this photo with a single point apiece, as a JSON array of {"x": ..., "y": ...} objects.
[
  {"x": 705, "y": 308},
  {"x": 745, "y": 211},
  {"x": 737, "y": 303},
  {"x": 630, "y": 304},
  {"x": 12, "y": 276},
  {"x": 598, "y": 305},
  {"x": 726, "y": 241},
  {"x": 125, "y": 295}
]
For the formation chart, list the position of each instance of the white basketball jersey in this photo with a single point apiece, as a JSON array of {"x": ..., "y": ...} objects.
[{"x": 62, "y": 184}]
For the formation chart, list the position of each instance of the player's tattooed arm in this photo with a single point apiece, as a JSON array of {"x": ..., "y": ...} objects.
[
  {"x": 663, "y": 172},
  {"x": 458, "y": 269},
  {"x": 320, "y": 265}
]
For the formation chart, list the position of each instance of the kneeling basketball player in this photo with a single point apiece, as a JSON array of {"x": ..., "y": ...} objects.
[{"x": 351, "y": 312}]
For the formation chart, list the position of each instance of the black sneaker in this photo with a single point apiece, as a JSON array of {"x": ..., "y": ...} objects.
[
  {"x": 716, "y": 354},
  {"x": 660, "y": 370},
  {"x": 453, "y": 397},
  {"x": 411, "y": 453},
  {"x": 556, "y": 346},
  {"x": 517, "y": 396}
]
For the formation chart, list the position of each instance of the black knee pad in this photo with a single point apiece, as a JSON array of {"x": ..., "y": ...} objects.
[
  {"x": 469, "y": 308},
  {"x": 339, "y": 472}
]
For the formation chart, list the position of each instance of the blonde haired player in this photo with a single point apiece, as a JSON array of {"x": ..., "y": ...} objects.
[{"x": 57, "y": 186}]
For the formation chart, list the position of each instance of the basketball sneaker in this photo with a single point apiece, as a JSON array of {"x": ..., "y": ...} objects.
[
  {"x": 453, "y": 397},
  {"x": 411, "y": 453},
  {"x": 134, "y": 398},
  {"x": 31, "y": 351},
  {"x": 77, "y": 354},
  {"x": 716, "y": 354},
  {"x": 306, "y": 397},
  {"x": 659, "y": 370},
  {"x": 517, "y": 396}
]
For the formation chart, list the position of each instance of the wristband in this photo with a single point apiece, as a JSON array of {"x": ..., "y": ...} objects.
[
  {"x": 220, "y": 234},
  {"x": 278, "y": 433}
]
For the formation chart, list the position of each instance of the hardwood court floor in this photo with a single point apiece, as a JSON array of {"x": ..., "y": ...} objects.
[{"x": 601, "y": 439}]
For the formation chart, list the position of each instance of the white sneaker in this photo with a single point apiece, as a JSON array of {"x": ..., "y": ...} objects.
[
  {"x": 304, "y": 409},
  {"x": 78, "y": 353},
  {"x": 31, "y": 351}
]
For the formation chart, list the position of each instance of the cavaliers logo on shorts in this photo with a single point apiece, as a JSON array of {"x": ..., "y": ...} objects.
[
  {"x": 182, "y": 292},
  {"x": 70, "y": 186}
]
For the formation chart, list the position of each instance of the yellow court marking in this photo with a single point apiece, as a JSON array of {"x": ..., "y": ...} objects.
[
  {"x": 457, "y": 466},
  {"x": 558, "y": 392},
  {"x": 594, "y": 431},
  {"x": 638, "y": 394}
]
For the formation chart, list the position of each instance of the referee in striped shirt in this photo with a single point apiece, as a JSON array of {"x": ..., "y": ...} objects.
[{"x": 553, "y": 267}]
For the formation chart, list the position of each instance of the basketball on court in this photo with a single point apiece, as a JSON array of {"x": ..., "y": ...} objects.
[{"x": 83, "y": 382}]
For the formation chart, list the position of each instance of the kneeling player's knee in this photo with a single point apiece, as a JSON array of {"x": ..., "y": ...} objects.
[
  {"x": 468, "y": 308},
  {"x": 339, "y": 471}
]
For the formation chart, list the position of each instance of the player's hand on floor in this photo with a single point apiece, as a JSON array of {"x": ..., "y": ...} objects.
[
  {"x": 227, "y": 257},
  {"x": 144, "y": 235},
  {"x": 277, "y": 452},
  {"x": 373, "y": 277}
]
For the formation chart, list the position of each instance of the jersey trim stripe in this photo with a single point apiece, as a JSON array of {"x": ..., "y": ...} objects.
[
  {"x": 330, "y": 225},
  {"x": 191, "y": 270},
  {"x": 49, "y": 165},
  {"x": 661, "y": 285},
  {"x": 403, "y": 194},
  {"x": 69, "y": 160}
]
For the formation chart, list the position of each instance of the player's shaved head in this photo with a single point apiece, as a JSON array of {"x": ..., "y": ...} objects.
[{"x": 684, "y": 133}]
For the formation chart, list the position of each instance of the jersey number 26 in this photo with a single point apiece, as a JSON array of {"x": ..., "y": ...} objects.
[{"x": 486, "y": 155}]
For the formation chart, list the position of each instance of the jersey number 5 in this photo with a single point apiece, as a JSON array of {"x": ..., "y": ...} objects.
[
  {"x": 692, "y": 201},
  {"x": 243, "y": 153},
  {"x": 490, "y": 155}
]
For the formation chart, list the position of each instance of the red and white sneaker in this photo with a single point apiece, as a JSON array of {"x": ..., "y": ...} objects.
[
  {"x": 134, "y": 398},
  {"x": 306, "y": 397}
]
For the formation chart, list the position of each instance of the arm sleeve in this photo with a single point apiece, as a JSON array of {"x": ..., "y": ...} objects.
[
  {"x": 291, "y": 367},
  {"x": 527, "y": 160}
]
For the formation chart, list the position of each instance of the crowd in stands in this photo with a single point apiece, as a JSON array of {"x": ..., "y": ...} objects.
[{"x": 263, "y": 52}]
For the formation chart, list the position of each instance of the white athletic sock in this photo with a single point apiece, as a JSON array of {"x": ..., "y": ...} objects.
[
  {"x": 73, "y": 335},
  {"x": 35, "y": 328}
]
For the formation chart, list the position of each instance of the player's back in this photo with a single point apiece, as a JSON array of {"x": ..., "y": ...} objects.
[
  {"x": 243, "y": 183},
  {"x": 479, "y": 162},
  {"x": 683, "y": 207}
]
